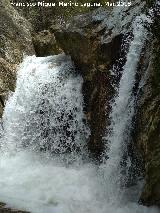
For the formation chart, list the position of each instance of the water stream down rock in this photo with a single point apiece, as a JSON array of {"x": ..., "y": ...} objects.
[{"x": 80, "y": 130}]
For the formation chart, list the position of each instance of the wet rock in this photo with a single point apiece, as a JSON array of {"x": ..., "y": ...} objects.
[
  {"x": 7, "y": 74},
  {"x": 45, "y": 44},
  {"x": 148, "y": 124},
  {"x": 5, "y": 209},
  {"x": 94, "y": 42},
  {"x": 7, "y": 81},
  {"x": 1, "y": 108}
]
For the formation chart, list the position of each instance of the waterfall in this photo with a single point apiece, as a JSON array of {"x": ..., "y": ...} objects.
[
  {"x": 43, "y": 158},
  {"x": 46, "y": 110},
  {"x": 123, "y": 105}
]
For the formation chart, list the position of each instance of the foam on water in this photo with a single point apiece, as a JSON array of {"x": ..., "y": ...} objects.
[{"x": 33, "y": 182}]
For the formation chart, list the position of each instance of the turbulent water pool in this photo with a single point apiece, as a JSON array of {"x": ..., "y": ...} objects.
[{"x": 34, "y": 182}]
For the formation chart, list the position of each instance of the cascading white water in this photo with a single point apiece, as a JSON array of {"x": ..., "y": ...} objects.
[
  {"x": 46, "y": 110},
  {"x": 118, "y": 133},
  {"x": 44, "y": 133},
  {"x": 43, "y": 123}
]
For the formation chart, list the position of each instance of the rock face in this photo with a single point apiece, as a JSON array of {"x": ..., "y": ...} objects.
[
  {"x": 148, "y": 123},
  {"x": 4, "y": 209},
  {"x": 82, "y": 41},
  {"x": 45, "y": 44},
  {"x": 42, "y": 17},
  {"x": 15, "y": 40},
  {"x": 94, "y": 42},
  {"x": 7, "y": 80}
]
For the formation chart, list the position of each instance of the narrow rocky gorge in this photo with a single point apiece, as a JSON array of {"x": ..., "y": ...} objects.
[{"x": 98, "y": 42}]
